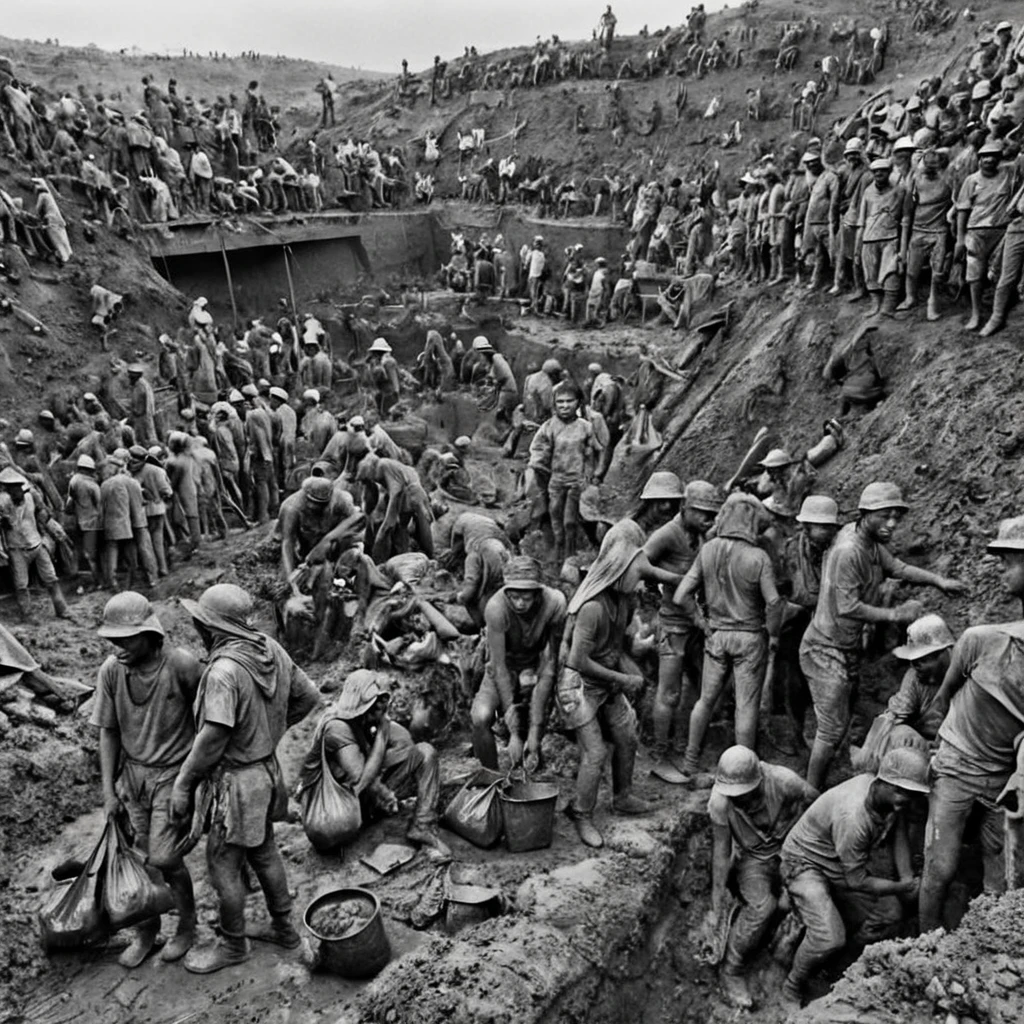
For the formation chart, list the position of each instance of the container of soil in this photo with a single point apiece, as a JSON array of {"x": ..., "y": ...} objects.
[
  {"x": 348, "y": 923},
  {"x": 528, "y": 810}
]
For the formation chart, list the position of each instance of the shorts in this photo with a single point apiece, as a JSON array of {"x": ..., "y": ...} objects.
[
  {"x": 22, "y": 560},
  {"x": 833, "y": 675},
  {"x": 846, "y": 241},
  {"x": 927, "y": 247},
  {"x": 815, "y": 236},
  {"x": 687, "y": 644},
  {"x": 981, "y": 244},
  {"x": 146, "y": 794},
  {"x": 880, "y": 263}
]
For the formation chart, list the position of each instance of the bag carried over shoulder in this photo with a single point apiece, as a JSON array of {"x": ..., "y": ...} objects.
[
  {"x": 331, "y": 815},
  {"x": 474, "y": 812}
]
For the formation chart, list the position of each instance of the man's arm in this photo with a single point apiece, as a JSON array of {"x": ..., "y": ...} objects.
[
  {"x": 496, "y": 654},
  {"x": 960, "y": 663},
  {"x": 110, "y": 754},
  {"x": 849, "y": 604},
  {"x": 921, "y": 577},
  {"x": 684, "y": 595},
  {"x": 585, "y": 634},
  {"x": 207, "y": 749},
  {"x": 721, "y": 862}
]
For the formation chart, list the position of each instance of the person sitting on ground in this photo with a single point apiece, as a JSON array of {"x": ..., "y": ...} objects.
[
  {"x": 376, "y": 759},
  {"x": 524, "y": 622}
]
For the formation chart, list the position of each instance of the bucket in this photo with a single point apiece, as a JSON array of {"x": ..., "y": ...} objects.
[
  {"x": 528, "y": 809},
  {"x": 359, "y": 954}
]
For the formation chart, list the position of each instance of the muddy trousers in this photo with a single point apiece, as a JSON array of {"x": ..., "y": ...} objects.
[
  {"x": 758, "y": 882},
  {"x": 616, "y": 719},
  {"x": 89, "y": 552},
  {"x": 155, "y": 524},
  {"x": 412, "y": 769},
  {"x": 128, "y": 552},
  {"x": 147, "y": 558},
  {"x": 564, "y": 509},
  {"x": 225, "y": 862},
  {"x": 679, "y": 664}
]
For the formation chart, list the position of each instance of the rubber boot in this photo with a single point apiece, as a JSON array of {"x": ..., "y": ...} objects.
[
  {"x": 975, "y": 321},
  {"x": 790, "y": 996},
  {"x": 24, "y": 603},
  {"x": 585, "y": 828},
  {"x": 932, "y": 313},
  {"x": 230, "y": 950},
  {"x": 911, "y": 300},
  {"x": 998, "y": 317},
  {"x": 735, "y": 989},
  {"x": 888, "y": 303},
  {"x": 280, "y": 931},
  {"x": 141, "y": 945},
  {"x": 182, "y": 942},
  {"x": 627, "y": 802},
  {"x": 60, "y": 606}
]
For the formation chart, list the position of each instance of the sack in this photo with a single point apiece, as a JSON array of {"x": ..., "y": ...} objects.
[
  {"x": 642, "y": 435},
  {"x": 867, "y": 758},
  {"x": 474, "y": 812},
  {"x": 130, "y": 893},
  {"x": 76, "y": 916},
  {"x": 331, "y": 815}
]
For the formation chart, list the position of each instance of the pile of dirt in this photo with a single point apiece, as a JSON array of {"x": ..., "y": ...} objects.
[{"x": 973, "y": 974}]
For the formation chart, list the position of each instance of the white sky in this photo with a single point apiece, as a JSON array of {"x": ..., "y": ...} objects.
[{"x": 373, "y": 35}]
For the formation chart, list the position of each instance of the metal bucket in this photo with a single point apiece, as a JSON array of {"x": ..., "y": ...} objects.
[
  {"x": 528, "y": 809},
  {"x": 360, "y": 954}
]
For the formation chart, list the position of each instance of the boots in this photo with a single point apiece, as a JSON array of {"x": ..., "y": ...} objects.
[
  {"x": 60, "y": 606},
  {"x": 888, "y": 304},
  {"x": 181, "y": 943},
  {"x": 627, "y": 802},
  {"x": 585, "y": 828},
  {"x": 141, "y": 945},
  {"x": 24, "y": 603},
  {"x": 230, "y": 950},
  {"x": 665, "y": 770},
  {"x": 911, "y": 300},
  {"x": 428, "y": 838},
  {"x": 998, "y": 317},
  {"x": 280, "y": 932}
]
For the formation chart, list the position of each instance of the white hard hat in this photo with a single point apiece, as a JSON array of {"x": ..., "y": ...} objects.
[
  {"x": 481, "y": 344},
  {"x": 380, "y": 345},
  {"x": 311, "y": 395}
]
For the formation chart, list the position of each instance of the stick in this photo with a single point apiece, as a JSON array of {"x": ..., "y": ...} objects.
[{"x": 753, "y": 456}]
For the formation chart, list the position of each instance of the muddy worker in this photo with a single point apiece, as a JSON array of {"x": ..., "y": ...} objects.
[
  {"x": 156, "y": 494},
  {"x": 524, "y": 622},
  {"x": 376, "y": 759},
  {"x": 143, "y": 710},
  {"x": 597, "y": 676},
  {"x": 142, "y": 406},
  {"x": 925, "y": 236},
  {"x": 436, "y": 367},
  {"x": 286, "y": 426},
  {"x": 980, "y": 760},
  {"x": 315, "y": 370},
  {"x": 383, "y": 369},
  {"x": 879, "y": 227},
  {"x": 674, "y": 546},
  {"x": 562, "y": 455},
  {"x": 913, "y": 714},
  {"x": 83, "y": 505},
  {"x": 850, "y": 596},
  {"x": 742, "y": 623},
  {"x": 250, "y": 693},
  {"x": 183, "y": 473},
  {"x": 487, "y": 550},
  {"x": 538, "y": 402},
  {"x": 826, "y": 862},
  {"x": 853, "y": 179},
  {"x": 259, "y": 434},
  {"x": 605, "y": 397},
  {"x": 317, "y": 424},
  {"x": 22, "y": 517},
  {"x": 753, "y": 806},
  {"x": 407, "y": 503},
  {"x": 506, "y": 391}
]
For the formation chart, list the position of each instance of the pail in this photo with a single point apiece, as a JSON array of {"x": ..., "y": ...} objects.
[
  {"x": 528, "y": 810},
  {"x": 360, "y": 954}
]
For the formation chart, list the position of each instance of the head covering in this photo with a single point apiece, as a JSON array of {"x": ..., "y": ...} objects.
[
  {"x": 991, "y": 148},
  {"x": 662, "y": 485},
  {"x": 317, "y": 489},
  {"x": 904, "y": 144},
  {"x": 881, "y": 164},
  {"x": 85, "y": 462},
  {"x": 128, "y": 614},
  {"x": 311, "y": 395},
  {"x": 481, "y": 344},
  {"x": 523, "y": 573},
  {"x": 225, "y": 608},
  {"x": 462, "y": 441},
  {"x": 10, "y": 477},
  {"x": 379, "y": 345},
  {"x": 701, "y": 495},
  {"x": 740, "y": 517},
  {"x": 276, "y": 392},
  {"x": 136, "y": 369},
  {"x": 235, "y": 396},
  {"x": 855, "y": 145},
  {"x": 24, "y": 438},
  {"x": 361, "y": 690},
  {"x": 819, "y": 508},
  {"x": 250, "y": 391},
  {"x": 48, "y": 416},
  {"x": 1010, "y": 536},
  {"x": 622, "y": 544},
  {"x": 137, "y": 453},
  {"x": 925, "y": 636}
]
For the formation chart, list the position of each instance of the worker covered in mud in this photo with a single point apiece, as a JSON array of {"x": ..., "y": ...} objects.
[
  {"x": 407, "y": 503},
  {"x": 484, "y": 549},
  {"x": 741, "y": 624},
  {"x": 538, "y": 403},
  {"x": 317, "y": 425},
  {"x": 377, "y": 760},
  {"x": 383, "y": 370},
  {"x": 562, "y": 456},
  {"x": 752, "y": 807},
  {"x": 435, "y": 364},
  {"x": 315, "y": 370},
  {"x": 850, "y": 596},
  {"x": 524, "y": 621},
  {"x": 980, "y": 760},
  {"x": 827, "y": 860},
  {"x": 597, "y": 676},
  {"x": 913, "y": 714},
  {"x": 789, "y": 479},
  {"x": 143, "y": 710},
  {"x": 250, "y": 693},
  {"x": 502, "y": 379},
  {"x": 674, "y": 547}
]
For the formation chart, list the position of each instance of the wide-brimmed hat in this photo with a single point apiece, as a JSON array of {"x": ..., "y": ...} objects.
[
  {"x": 128, "y": 614},
  {"x": 224, "y": 607},
  {"x": 925, "y": 636}
]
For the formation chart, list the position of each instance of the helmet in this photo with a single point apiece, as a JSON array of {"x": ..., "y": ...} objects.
[
  {"x": 701, "y": 495},
  {"x": 662, "y": 486},
  {"x": 250, "y": 391},
  {"x": 85, "y": 462},
  {"x": 25, "y": 438},
  {"x": 738, "y": 772},
  {"x": 357, "y": 423},
  {"x": 317, "y": 489},
  {"x": 224, "y": 607},
  {"x": 137, "y": 453},
  {"x": 155, "y": 452},
  {"x": 778, "y": 507},
  {"x": 235, "y": 396},
  {"x": 311, "y": 395},
  {"x": 906, "y": 768},
  {"x": 462, "y": 441},
  {"x": 1010, "y": 536},
  {"x": 854, "y": 146},
  {"x": 128, "y": 614},
  {"x": 776, "y": 458},
  {"x": 903, "y": 144},
  {"x": 47, "y": 415},
  {"x": 881, "y": 164},
  {"x": 379, "y": 345},
  {"x": 280, "y": 393},
  {"x": 136, "y": 370},
  {"x": 523, "y": 573},
  {"x": 481, "y": 344},
  {"x": 925, "y": 636},
  {"x": 992, "y": 148},
  {"x": 551, "y": 366},
  {"x": 819, "y": 508},
  {"x": 11, "y": 477},
  {"x": 879, "y": 495}
]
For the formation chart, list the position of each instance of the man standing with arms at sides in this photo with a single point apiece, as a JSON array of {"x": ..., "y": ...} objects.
[{"x": 926, "y": 230}]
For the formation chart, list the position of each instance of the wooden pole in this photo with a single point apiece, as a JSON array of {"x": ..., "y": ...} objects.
[
  {"x": 231, "y": 287},
  {"x": 291, "y": 286}
]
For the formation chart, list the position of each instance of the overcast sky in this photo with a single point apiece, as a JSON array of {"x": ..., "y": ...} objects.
[{"x": 373, "y": 35}]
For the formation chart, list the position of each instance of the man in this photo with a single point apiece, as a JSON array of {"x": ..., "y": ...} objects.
[
  {"x": 22, "y": 516},
  {"x": 535, "y": 265},
  {"x": 249, "y": 695},
  {"x": 156, "y": 493},
  {"x": 376, "y": 757},
  {"x": 981, "y": 757},
  {"x": 853, "y": 179},
  {"x": 925, "y": 234},
  {"x": 879, "y": 224},
  {"x": 741, "y": 629},
  {"x": 821, "y": 221},
  {"x": 752, "y": 807},
  {"x": 259, "y": 434},
  {"x": 982, "y": 213},
  {"x": 913, "y": 714},
  {"x": 142, "y": 406},
  {"x": 599, "y": 295},
  {"x": 406, "y": 502},
  {"x": 538, "y": 402},
  {"x": 183, "y": 474},
  {"x": 315, "y": 370},
  {"x": 486, "y": 552},
  {"x": 1010, "y": 268},
  {"x": 318, "y": 424},
  {"x": 826, "y": 861},
  {"x": 143, "y": 710},
  {"x": 383, "y": 375},
  {"x": 286, "y": 427},
  {"x": 83, "y": 505},
  {"x": 850, "y": 596},
  {"x": 674, "y": 547},
  {"x": 524, "y": 621},
  {"x": 501, "y": 377}
]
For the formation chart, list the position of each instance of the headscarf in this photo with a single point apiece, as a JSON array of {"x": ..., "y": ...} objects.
[{"x": 621, "y": 546}]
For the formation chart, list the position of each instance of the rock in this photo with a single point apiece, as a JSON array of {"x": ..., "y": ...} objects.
[
  {"x": 952, "y": 1018},
  {"x": 5, "y": 724},
  {"x": 631, "y": 840},
  {"x": 935, "y": 990},
  {"x": 956, "y": 989}
]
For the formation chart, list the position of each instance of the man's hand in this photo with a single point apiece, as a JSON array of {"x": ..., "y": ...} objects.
[
  {"x": 632, "y": 684},
  {"x": 909, "y": 889},
  {"x": 111, "y": 804},
  {"x": 908, "y": 612},
  {"x": 387, "y": 802},
  {"x": 531, "y": 762},
  {"x": 180, "y": 804},
  {"x": 959, "y": 251},
  {"x": 950, "y": 586},
  {"x": 515, "y": 749}
]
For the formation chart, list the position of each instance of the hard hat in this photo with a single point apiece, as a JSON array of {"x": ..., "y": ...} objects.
[
  {"x": 594, "y": 368},
  {"x": 809, "y": 157},
  {"x": 263, "y": 385},
  {"x": 250, "y": 391},
  {"x": 200, "y": 302},
  {"x": 778, "y": 507},
  {"x": 1004, "y": 26},
  {"x": 481, "y": 344},
  {"x": 523, "y": 573},
  {"x": 925, "y": 636},
  {"x": 155, "y": 452},
  {"x": 89, "y": 397},
  {"x": 903, "y": 144},
  {"x": 982, "y": 90},
  {"x": 819, "y": 508},
  {"x": 992, "y": 148},
  {"x": 777, "y": 458},
  {"x": 235, "y": 396},
  {"x": 356, "y": 423},
  {"x": 136, "y": 370},
  {"x": 379, "y": 345},
  {"x": 25, "y": 438},
  {"x": 224, "y": 607},
  {"x": 276, "y": 392},
  {"x": 880, "y": 495},
  {"x": 311, "y": 395},
  {"x": 137, "y": 453},
  {"x": 85, "y": 462},
  {"x": 462, "y": 441},
  {"x": 855, "y": 145},
  {"x": 10, "y": 477},
  {"x": 601, "y": 261},
  {"x": 701, "y": 495},
  {"x": 923, "y": 138},
  {"x": 905, "y": 768},
  {"x": 1010, "y": 536},
  {"x": 318, "y": 489},
  {"x": 880, "y": 164},
  {"x": 48, "y": 416},
  {"x": 738, "y": 772},
  {"x": 663, "y": 485},
  {"x": 128, "y": 614},
  {"x": 551, "y": 366}
]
